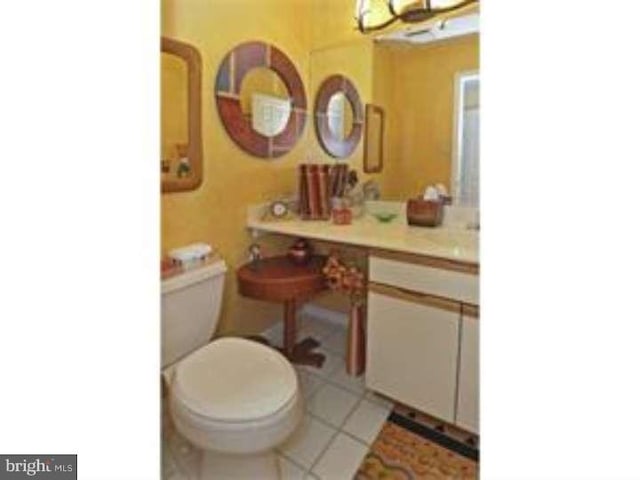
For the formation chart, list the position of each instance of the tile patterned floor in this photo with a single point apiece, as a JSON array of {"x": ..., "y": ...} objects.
[{"x": 341, "y": 421}]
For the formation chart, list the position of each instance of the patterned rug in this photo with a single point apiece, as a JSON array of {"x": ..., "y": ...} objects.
[{"x": 412, "y": 446}]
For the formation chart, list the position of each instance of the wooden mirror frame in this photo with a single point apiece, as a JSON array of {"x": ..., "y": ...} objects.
[
  {"x": 334, "y": 146},
  {"x": 235, "y": 65},
  {"x": 194, "y": 68},
  {"x": 373, "y": 158}
]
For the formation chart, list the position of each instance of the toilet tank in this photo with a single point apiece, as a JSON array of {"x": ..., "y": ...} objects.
[{"x": 190, "y": 309}]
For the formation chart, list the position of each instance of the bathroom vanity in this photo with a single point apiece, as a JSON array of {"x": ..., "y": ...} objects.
[
  {"x": 422, "y": 334},
  {"x": 422, "y": 311}
]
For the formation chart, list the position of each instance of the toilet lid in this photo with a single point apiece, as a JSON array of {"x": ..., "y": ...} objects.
[{"x": 233, "y": 379}]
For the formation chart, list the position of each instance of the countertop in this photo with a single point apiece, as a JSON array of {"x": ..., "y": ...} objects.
[{"x": 448, "y": 242}]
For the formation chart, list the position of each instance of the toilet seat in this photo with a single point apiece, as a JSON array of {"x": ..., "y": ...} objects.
[{"x": 234, "y": 380}]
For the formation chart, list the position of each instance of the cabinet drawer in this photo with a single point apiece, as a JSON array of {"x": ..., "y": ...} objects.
[
  {"x": 412, "y": 350},
  {"x": 421, "y": 277}
]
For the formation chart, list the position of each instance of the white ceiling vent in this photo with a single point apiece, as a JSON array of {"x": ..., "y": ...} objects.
[{"x": 435, "y": 30}]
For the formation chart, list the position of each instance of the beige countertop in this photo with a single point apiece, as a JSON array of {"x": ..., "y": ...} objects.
[{"x": 448, "y": 242}]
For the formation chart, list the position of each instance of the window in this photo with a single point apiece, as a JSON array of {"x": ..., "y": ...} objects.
[{"x": 466, "y": 140}]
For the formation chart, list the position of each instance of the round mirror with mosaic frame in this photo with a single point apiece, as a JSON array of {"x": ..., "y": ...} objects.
[
  {"x": 261, "y": 99},
  {"x": 339, "y": 116}
]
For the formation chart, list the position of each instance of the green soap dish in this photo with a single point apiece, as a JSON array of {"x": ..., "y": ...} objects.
[{"x": 385, "y": 217}]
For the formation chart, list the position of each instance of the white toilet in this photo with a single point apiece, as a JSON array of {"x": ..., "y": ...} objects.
[{"x": 234, "y": 398}]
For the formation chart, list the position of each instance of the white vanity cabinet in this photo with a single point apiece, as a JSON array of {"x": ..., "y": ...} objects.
[
  {"x": 422, "y": 334},
  {"x": 468, "y": 379},
  {"x": 411, "y": 350}
]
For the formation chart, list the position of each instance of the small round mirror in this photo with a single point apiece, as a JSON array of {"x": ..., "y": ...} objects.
[
  {"x": 264, "y": 101},
  {"x": 340, "y": 116}
]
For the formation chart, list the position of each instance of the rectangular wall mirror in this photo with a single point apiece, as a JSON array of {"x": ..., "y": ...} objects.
[
  {"x": 181, "y": 135},
  {"x": 431, "y": 117},
  {"x": 421, "y": 123}
]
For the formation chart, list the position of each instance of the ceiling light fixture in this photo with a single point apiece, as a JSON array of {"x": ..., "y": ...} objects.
[{"x": 371, "y": 17}]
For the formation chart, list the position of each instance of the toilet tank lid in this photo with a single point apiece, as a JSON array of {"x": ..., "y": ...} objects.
[{"x": 184, "y": 277}]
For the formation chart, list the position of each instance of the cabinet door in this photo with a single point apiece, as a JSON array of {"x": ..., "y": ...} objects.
[
  {"x": 412, "y": 350},
  {"x": 468, "y": 393}
]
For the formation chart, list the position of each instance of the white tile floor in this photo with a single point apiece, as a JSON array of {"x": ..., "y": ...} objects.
[{"x": 342, "y": 418}]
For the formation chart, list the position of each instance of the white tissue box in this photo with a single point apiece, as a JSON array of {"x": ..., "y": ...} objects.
[{"x": 190, "y": 254}]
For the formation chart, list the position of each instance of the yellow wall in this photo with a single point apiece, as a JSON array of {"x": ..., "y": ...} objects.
[
  {"x": 174, "y": 105},
  {"x": 332, "y": 23},
  {"x": 320, "y": 38},
  {"x": 417, "y": 140},
  {"x": 415, "y": 86},
  {"x": 216, "y": 212},
  {"x": 354, "y": 60}
]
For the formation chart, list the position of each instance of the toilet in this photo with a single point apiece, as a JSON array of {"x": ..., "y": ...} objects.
[{"x": 234, "y": 398}]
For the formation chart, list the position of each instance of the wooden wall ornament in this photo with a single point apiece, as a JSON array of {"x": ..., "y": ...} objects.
[
  {"x": 373, "y": 139},
  {"x": 233, "y": 68},
  {"x": 332, "y": 144},
  {"x": 191, "y": 181}
]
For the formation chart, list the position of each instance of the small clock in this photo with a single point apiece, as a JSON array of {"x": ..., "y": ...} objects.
[{"x": 279, "y": 209}]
